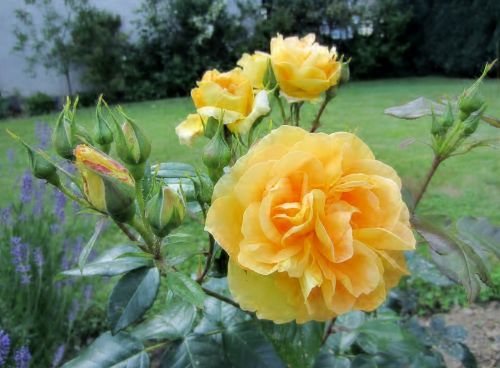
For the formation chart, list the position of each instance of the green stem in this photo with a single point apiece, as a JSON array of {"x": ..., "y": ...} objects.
[
  {"x": 148, "y": 237},
  {"x": 208, "y": 261},
  {"x": 156, "y": 346},
  {"x": 316, "y": 122},
  {"x": 215, "y": 295},
  {"x": 126, "y": 231},
  {"x": 282, "y": 109},
  {"x": 435, "y": 164}
]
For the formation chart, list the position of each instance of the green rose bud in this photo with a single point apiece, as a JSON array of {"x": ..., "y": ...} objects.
[
  {"x": 216, "y": 155},
  {"x": 345, "y": 72},
  {"x": 103, "y": 134},
  {"x": 165, "y": 211},
  {"x": 132, "y": 146},
  {"x": 211, "y": 126},
  {"x": 472, "y": 122},
  {"x": 447, "y": 119},
  {"x": 471, "y": 100},
  {"x": 269, "y": 80},
  {"x": 63, "y": 137}
]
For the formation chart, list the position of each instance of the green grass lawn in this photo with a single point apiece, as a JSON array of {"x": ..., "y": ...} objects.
[{"x": 468, "y": 185}]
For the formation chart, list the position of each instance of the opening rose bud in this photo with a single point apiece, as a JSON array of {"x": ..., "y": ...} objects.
[
  {"x": 107, "y": 185},
  {"x": 165, "y": 211}
]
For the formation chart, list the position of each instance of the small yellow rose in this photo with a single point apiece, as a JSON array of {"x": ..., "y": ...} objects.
[
  {"x": 313, "y": 224},
  {"x": 254, "y": 67},
  {"x": 229, "y": 98},
  {"x": 303, "y": 68},
  {"x": 189, "y": 129}
]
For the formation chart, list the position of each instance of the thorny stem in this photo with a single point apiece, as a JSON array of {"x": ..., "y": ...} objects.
[
  {"x": 208, "y": 260},
  {"x": 435, "y": 164},
  {"x": 146, "y": 235},
  {"x": 316, "y": 122},
  {"x": 215, "y": 295}
]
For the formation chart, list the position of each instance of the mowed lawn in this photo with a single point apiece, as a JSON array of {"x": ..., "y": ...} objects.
[{"x": 465, "y": 185}]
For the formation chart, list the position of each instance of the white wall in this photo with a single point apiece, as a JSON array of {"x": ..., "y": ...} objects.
[{"x": 13, "y": 75}]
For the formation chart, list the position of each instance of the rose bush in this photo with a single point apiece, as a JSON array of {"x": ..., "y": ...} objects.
[{"x": 313, "y": 224}]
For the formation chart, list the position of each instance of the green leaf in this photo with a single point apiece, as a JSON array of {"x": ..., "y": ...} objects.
[
  {"x": 422, "y": 268},
  {"x": 84, "y": 255},
  {"x": 328, "y": 359},
  {"x": 480, "y": 234},
  {"x": 195, "y": 351},
  {"x": 416, "y": 109},
  {"x": 218, "y": 315},
  {"x": 297, "y": 345},
  {"x": 351, "y": 320},
  {"x": 363, "y": 361},
  {"x": 119, "y": 351},
  {"x": 186, "y": 288},
  {"x": 456, "y": 259},
  {"x": 468, "y": 359},
  {"x": 246, "y": 347},
  {"x": 132, "y": 296},
  {"x": 174, "y": 170},
  {"x": 111, "y": 263},
  {"x": 382, "y": 329},
  {"x": 174, "y": 322}
]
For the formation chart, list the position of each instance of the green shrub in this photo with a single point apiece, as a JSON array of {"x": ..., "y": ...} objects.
[{"x": 40, "y": 103}]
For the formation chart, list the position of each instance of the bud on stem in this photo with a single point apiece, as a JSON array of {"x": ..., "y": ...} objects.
[
  {"x": 217, "y": 155},
  {"x": 165, "y": 211}
]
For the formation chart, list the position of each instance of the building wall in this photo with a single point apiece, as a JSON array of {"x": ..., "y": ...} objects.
[{"x": 13, "y": 75}]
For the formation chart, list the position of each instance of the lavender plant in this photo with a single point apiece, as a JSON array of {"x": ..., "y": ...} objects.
[{"x": 37, "y": 310}]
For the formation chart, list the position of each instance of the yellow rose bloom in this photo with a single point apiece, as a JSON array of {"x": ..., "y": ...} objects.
[
  {"x": 229, "y": 98},
  {"x": 303, "y": 68},
  {"x": 254, "y": 67},
  {"x": 314, "y": 226},
  {"x": 189, "y": 129}
]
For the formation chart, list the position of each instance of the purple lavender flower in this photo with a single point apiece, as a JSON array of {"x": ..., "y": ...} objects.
[
  {"x": 43, "y": 132},
  {"x": 4, "y": 347},
  {"x": 11, "y": 156},
  {"x": 20, "y": 254},
  {"x": 58, "y": 355},
  {"x": 39, "y": 260},
  {"x": 6, "y": 215},
  {"x": 60, "y": 205},
  {"x": 22, "y": 357},
  {"x": 26, "y": 187},
  {"x": 75, "y": 308},
  {"x": 39, "y": 198}
]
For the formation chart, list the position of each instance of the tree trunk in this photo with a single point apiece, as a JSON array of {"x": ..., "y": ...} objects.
[{"x": 68, "y": 82}]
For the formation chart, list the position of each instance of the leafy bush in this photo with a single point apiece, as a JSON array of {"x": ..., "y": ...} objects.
[
  {"x": 40, "y": 312},
  {"x": 181, "y": 39},
  {"x": 100, "y": 47},
  {"x": 40, "y": 103}
]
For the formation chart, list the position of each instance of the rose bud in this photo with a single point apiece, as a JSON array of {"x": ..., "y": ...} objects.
[
  {"x": 63, "y": 137},
  {"x": 107, "y": 185},
  {"x": 216, "y": 155},
  {"x": 345, "y": 72},
  {"x": 103, "y": 133},
  {"x": 132, "y": 146},
  {"x": 40, "y": 166},
  {"x": 165, "y": 211}
]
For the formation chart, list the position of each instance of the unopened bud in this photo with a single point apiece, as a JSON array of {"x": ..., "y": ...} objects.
[
  {"x": 345, "y": 73},
  {"x": 132, "y": 146},
  {"x": 42, "y": 168},
  {"x": 472, "y": 122},
  {"x": 216, "y": 155},
  {"x": 211, "y": 127},
  {"x": 447, "y": 119},
  {"x": 165, "y": 211},
  {"x": 103, "y": 134},
  {"x": 63, "y": 137},
  {"x": 471, "y": 100}
]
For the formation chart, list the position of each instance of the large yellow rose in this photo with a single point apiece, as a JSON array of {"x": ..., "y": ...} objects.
[
  {"x": 254, "y": 67},
  {"x": 229, "y": 98},
  {"x": 314, "y": 226},
  {"x": 303, "y": 68}
]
